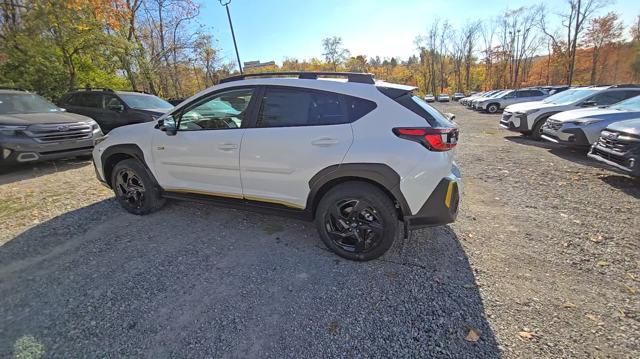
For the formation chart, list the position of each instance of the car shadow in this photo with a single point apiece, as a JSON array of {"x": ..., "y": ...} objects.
[
  {"x": 24, "y": 171},
  {"x": 626, "y": 184},
  {"x": 574, "y": 154},
  {"x": 195, "y": 280}
]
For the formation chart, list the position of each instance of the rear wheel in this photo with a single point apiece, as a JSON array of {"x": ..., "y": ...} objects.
[
  {"x": 134, "y": 188},
  {"x": 357, "y": 221}
]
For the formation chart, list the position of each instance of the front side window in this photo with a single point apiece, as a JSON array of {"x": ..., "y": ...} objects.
[
  {"x": 609, "y": 98},
  {"x": 298, "y": 107},
  {"x": 226, "y": 110}
]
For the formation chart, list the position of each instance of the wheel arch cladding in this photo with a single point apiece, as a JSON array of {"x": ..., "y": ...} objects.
[
  {"x": 378, "y": 174},
  {"x": 116, "y": 153}
]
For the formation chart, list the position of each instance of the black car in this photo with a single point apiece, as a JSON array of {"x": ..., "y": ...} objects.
[{"x": 111, "y": 109}]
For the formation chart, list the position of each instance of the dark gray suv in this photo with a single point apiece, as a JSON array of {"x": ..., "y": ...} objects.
[
  {"x": 113, "y": 109},
  {"x": 34, "y": 129}
]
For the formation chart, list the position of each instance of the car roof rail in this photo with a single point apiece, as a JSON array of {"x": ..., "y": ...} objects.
[
  {"x": 358, "y": 77},
  {"x": 626, "y": 86},
  {"x": 13, "y": 88},
  {"x": 105, "y": 89}
]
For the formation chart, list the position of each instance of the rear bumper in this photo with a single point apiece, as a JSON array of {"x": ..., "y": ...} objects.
[{"x": 440, "y": 208}]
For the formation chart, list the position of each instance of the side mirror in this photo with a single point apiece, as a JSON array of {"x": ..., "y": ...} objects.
[
  {"x": 450, "y": 116},
  {"x": 168, "y": 126},
  {"x": 116, "y": 107},
  {"x": 588, "y": 103}
]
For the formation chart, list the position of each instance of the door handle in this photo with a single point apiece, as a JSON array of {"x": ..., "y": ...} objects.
[
  {"x": 228, "y": 146},
  {"x": 324, "y": 142}
]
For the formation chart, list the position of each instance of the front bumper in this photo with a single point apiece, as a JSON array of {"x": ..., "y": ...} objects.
[
  {"x": 567, "y": 137},
  {"x": 514, "y": 121},
  {"x": 440, "y": 208},
  {"x": 22, "y": 149},
  {"x": 627, "y": 161}
]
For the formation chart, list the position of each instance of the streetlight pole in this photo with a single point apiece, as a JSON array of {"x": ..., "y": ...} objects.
[{"x": 226, "y": 3}]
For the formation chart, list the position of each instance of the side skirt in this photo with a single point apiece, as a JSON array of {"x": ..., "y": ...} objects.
[{"x": 242, "y": 204}]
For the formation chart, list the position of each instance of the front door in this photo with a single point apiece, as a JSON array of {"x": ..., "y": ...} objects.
[
  {"x": 204, "y": 155},
  {"x": 298, "y": 133}
]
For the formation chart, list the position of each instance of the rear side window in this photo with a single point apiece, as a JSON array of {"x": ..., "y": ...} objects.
[
  {"x": 86, "y": 100},
  {"x": 418, "y": 106},
  {"x": 290, "y": 107},
  {"x": 610, "y": 97}
]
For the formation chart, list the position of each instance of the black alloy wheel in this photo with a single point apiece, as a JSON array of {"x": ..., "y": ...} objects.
[
  {"x": 129, "y": 187},
  {"x": 354, "y": 225}
]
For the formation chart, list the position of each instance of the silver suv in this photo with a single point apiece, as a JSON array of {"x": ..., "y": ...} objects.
[
  {"x": 509, "y": 97},
  {"x": 34, "y": 129}
]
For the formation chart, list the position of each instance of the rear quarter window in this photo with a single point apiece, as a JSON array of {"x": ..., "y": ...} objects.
[{"x": 418, "y": 106}]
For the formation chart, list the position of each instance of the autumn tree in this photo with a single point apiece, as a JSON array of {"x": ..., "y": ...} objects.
[
  {"x": 601, "y": 33},
  {"x": 333, "y": 52}
]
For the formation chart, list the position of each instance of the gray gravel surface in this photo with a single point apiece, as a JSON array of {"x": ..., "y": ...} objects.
[{"x": 543, "y": 262}]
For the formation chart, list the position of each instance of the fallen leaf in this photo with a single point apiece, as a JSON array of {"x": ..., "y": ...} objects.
[
  {"x": 633, "y": 277},
  {"x": 602, "y": 264},
  {"x": 592, "y": 317},
  {"x": 631, "y": 290},
  {"x": 526, "y": 335},
  {"x": 597, "y": 239},
  {"x": 569, "y": 305},
  {"x": 472, "y": 336},
  {"x": 333, "y": 327}
]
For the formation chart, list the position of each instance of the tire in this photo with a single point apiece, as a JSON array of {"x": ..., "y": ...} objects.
[
  {"x": 361, "y": 237},
  {"x": 134, "y": 188},
  {"x": 493, "y": 108},
  {"x": 536, "y": 131}
]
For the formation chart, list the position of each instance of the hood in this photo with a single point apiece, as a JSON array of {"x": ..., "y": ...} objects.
[
  {"x": 25, "y": 119},
  {"x": 599, "y": 113},
  {"x": 629, "y": 126},
  {"x": 525, "y": 106}
]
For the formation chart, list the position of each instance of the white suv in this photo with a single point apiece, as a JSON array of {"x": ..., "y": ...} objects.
[
  {"x": 529, "y": 117},
  {"x": 356, "y": 156}
]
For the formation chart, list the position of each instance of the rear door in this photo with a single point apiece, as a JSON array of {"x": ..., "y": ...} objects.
[{"x": 298, "y": 133}]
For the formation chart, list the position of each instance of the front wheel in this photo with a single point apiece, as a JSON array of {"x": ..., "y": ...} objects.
[
  {"x": 357, "y": 221},
  {"x": 134, "y": 188},
  {"x": 536, "y": 131},
  {"x": 493, "y": 108}
]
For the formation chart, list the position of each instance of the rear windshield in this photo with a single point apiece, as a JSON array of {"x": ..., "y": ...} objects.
[{"x": 418, "y": 106}]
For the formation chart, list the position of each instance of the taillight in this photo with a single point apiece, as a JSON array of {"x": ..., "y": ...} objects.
[{"x": 433, "y": 138}]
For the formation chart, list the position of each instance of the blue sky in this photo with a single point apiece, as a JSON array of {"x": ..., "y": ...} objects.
[{"x": 276, "y": 29}]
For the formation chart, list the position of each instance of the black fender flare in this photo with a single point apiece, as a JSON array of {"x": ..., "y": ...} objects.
[
  {"x": 129, "y": 150},
  {"x": 378, "y": 173}
]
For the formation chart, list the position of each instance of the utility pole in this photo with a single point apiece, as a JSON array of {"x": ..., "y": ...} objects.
[{"x": 226, "y": 3}]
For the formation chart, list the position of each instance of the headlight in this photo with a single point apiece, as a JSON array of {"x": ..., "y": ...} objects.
[
  {"x": 11, "y": 130},
  {"x": 584, "y": 122}
]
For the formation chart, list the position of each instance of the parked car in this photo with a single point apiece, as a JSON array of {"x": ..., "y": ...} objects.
[
  {"x": 619, "y": 146},
  {"x": 34, "y": 129},
  {"x": 582, "y": 127},
  {"x": 467, "y": 101},
  {"x": 338, "y": 152},
  {"x": 509, "y": 97},
  {"x": 444, "y": 97},
  {"x": 430, "y": 98},
  {"x": 475, "y": 102},
  {"x": 529, "y": 117},
  {"x": 457, "y": 96},
  {"x": 470, "y": 97},
  {"x": 113, "y": 109}
]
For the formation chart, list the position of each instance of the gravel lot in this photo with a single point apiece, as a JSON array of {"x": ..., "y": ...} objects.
[{"x": 544, "y": 261}]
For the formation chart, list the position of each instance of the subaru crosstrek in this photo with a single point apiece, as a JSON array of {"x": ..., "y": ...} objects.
[
  {"x": 33, "y": 129},
  {"x": 356, "y": 156}
]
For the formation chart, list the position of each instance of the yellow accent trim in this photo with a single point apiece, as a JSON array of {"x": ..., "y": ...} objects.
[
  {"x": 275, "y": 201},
  {"x": 236, "y": 196},
  {"x": 217, "y": 194},
  {"x": 447, "y": 199}
]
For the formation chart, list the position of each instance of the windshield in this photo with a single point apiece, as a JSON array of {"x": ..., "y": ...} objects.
[
  {"x": 570, "y": 96},
  {"x": 11, "y": 103},
  {"x": 632, "y": 104},
  {"x": 142, "y": 102}
]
